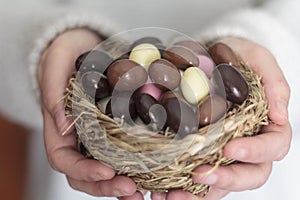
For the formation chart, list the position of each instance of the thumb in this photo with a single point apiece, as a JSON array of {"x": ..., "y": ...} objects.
[
  {"x": 56, "y": 67},
  {"x": 265, "y": 65}
]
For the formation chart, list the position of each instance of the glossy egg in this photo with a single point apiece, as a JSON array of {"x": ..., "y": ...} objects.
[
  {"x": 95, "y": 85},
  {"x": 181, "y": 117},
  {"x": 93, "y": 61},
  {"x": 121, "y": 105},
  {"x": 206, "y": 65},
  {"x": 126, "y": 75},
  {"x": 211, "y": 109},
  {"x": 181, "y": 57},
  {"x": 144, "y": 54},
  {"x": 222, "y": 53},
  {"x": 150, "y": 111},
  {"x": 228, "y": 78},
  {"x": 165, "y": 74},
  {"x": 196, "y": 47},
  {"x": 194, "y": 85},
  {"x": 151, "y": 89}
]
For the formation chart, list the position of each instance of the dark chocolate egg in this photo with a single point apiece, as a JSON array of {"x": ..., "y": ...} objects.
[
  {"x": 95, "y": 85},
  {"x": 150, "y": 111},
  {"x": 126, "y": 75},
  {"x": 93, "y": 61},
  {"x": 164, "y": 73},
  {"x": 211, "y": 109},
  {"x": 222, "y": 53},
  {"x": 181, "y": 117},
  {"x": 121, "y": 105},
  {"x": 228, "y": 78},
  {"x": 196, "y": 47},
  {"x": 181, "y": 56},
  {"x": 149, "y": 40}
]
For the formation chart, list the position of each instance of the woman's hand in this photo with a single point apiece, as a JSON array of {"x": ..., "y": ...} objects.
[
  {"x": 255, "y": 154},
  {"x": 55, "y": 68}
]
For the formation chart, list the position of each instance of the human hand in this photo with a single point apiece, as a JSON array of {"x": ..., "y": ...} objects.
[
  {"x": 55, "y": 68},
  {"x": 255, "y": 154}
]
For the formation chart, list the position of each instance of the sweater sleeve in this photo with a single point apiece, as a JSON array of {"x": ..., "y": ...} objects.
[
  {"x": 98, "y": 24},
  {"x": 26, "y": 35}
]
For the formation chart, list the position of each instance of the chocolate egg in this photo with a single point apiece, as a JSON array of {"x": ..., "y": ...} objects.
[
  {"x": 121, "y": 105},
  {"x": 196, "y": 47},
  {"x": 126, "y": 75},
  {"x": 95, "y": 85},
  {"x": 150, "y": 40},
  {"x": 226, "y": 77},
  {"x": 93, "y": 61},
  {"x": 206, "y": 65},
  {"x": 165, "y": 74},
  {"x": 169, "y": 95},
  {"x": 150, "y": 111},
  {"x": 181, "y": 56},
  {"x": 144, "y": 54},
  {"x": 151, "y": 89},
  {"x": 194, "y": 85},
  {"x": 211, "y": 109},
  {"x": 181, "y": 117},
  {"x": 222, "y": 53}
]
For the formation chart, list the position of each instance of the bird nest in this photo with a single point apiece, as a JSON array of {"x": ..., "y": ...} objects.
[{"x": 159, "y": 161}]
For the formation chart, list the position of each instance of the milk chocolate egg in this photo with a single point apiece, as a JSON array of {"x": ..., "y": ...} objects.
[
  {"x": 196, "y": 47},
  {"x": 181, "y": 57},
  {"x": 228, "y": 78},
  {"x": 222, "y": 53},
  {"x": 144, "y": 54},
  {"x": 165, "y": 74},
  {"x": 95, "y": 85},
  {"x": 126, "y": 75},
  {"x": 93, "y": 61},
  {"x": 181, "y": 117},
  {"x": 211, "y": 109}
]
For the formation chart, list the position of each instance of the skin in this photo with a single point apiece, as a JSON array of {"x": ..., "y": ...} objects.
[{"x": 255, "y": 153}]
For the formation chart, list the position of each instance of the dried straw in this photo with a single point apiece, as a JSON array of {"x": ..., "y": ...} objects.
[{"x": 159, "y": 162}]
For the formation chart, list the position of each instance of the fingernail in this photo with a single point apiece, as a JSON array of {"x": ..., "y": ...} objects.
[{"x": 282, "y": 109}]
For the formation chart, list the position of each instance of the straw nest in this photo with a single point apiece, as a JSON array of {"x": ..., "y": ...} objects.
[{"x": 158, "y": 162}]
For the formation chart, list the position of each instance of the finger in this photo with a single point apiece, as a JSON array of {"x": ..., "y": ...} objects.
[
  {"x": 158, "y": 195},
  {"x": 116, "y": 187},
  {"x": 215, "y": 194},
  {"x": 63, "y": 156},
  {"x": 178, "y": 194},
  {"x": 136, "y": 196},
  {"x": 263, "y": 63},
  {"x": 273, "y": 144},
  {"x": 235, "y": 177}
]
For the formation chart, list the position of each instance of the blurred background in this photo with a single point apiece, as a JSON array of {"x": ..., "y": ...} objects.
[{"x": 24, "y": 170}]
